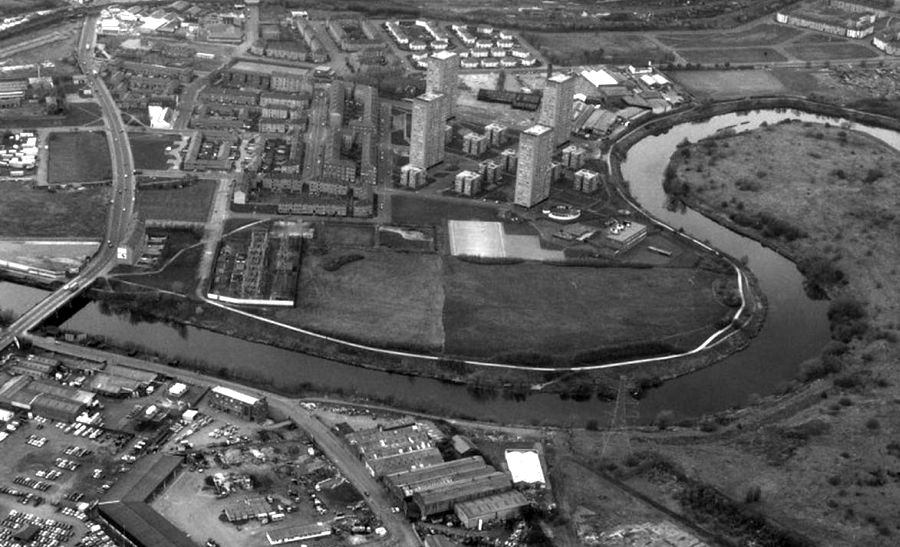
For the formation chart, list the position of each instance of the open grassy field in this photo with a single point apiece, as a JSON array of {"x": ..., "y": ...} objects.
[
  {"x": 821, "y": 456},
  {"x": 178, "y": 275},
  {"x": 78, "y": 157},
  {"x": 830, "y": 52},
  {"x": 401, "y": 293},
  {"x": 722, "y": 84},
  {"x": 839, "y": 187},
  {"x": 149, "y": 150},
  {"x": 29, "y": 212},
  {"x": 765, "y": 34},
  {"x": 15, "y": 7},
  {"x": 735, "y": 56},
  {"x": 412, "y": 209},
  {"x": 189, "y": 204},
  {"x": 565, "y": 48},
  {"x": 530, "y": 307},
  {"x": 80, "y": 114}
]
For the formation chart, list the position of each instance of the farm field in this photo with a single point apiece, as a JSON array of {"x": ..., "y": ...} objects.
[
  {"x": 29, "y": 212},
  {"x": 188, "y": 204},
  {"x": 547, "y": 310},
  {"x": 78, "y": 157}
]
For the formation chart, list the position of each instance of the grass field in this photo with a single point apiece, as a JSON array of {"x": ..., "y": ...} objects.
[
  {"x": 409, "y": 209},
  {"x": 149, "y": 150},
  {"x": 78, "y": 157},
  {"x": 77, "y": 114},
  {"x": 829, "y": 52},
  {"x": 721, "y": 84},
  {"x": 15, "y": 7},
  {"x": 813, "y": 462},
  {"x": 734, "y": 56},
  {"x": 760, "y": 35},
  {"x": 588, "y": 47},
  {"x": 25, "y": 211},
  {"x": 349, "y": 235},
  {"x": 546, "y": 309},
  {"x": 179, "y": 275},
  {"x": 188, "y": 204},
  {"x": 401, "y": 293}
]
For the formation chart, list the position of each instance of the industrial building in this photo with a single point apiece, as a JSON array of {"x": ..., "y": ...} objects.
[
  {"x": 443, "y": 499},
  {"x": 404, "y": 484},
  {"x": 291, "y": 534},
  {"x": 441, "y": 77},
  {"x": 427, "y": 138},
  {"x": 44, "y": 398},
  {"x": 476, "y": 513},
  {"x": 125, "y": 510},
  {"x": 556, "y": 106},
  {"x": 533, "y": 172},
  {"x": 33, "y": 365},
  {"x": 240, "y": 404}
]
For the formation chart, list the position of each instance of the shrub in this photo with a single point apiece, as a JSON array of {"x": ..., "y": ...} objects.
[
  {"x": 872, "y": 175},
  {"x": 592, "y": 425},
  {"x": 872, "y": 424},
  {"x": 848, "y": 319}
]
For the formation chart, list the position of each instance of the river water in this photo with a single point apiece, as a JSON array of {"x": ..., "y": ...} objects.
[{"x": 796, "y": 327}]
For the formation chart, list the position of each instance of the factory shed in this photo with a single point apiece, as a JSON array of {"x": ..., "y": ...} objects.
[
  {"x": 443, "y": 499},
  {"x": 475, "y": 513}
]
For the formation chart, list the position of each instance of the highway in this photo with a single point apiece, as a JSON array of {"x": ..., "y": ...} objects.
[{"x": 121, "y": 205}]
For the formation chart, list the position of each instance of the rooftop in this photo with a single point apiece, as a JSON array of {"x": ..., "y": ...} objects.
[
  {"x": 429, "y": 96},
  {"x": 138, "y": 484},
  {"x": 444, "y": 55},
  {"x": 559, "y": 78},
  {"x": 236, "y": 395},
  {"x": 141, "y": 523},
  {"x": 537, "y": 130},
  {"x": 492, "y": 504}
]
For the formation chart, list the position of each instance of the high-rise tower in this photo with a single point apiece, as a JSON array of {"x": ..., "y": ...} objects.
[
  {"x": 441, "y": 77},
  {"x": 556, "y": 106},
  {"x": 426, "y": 143},
  {"x": 533, "y": 172}
]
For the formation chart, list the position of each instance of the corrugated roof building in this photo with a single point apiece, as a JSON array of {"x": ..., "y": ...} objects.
[{"x": 474, "y": 513}]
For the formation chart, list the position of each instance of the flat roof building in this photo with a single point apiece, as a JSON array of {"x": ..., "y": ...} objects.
[
  {"x": 533, "y": 172},
  {"x": 442, "y": 77},
  {"x": 407, "y": 461},
  {"x": 241, "y": 404},
  {"x": 556, "y": 106},
  {"x": 427, "y": 139}
]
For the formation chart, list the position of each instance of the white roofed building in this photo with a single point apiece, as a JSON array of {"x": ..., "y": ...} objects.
[{"x": 241, "y": 404}]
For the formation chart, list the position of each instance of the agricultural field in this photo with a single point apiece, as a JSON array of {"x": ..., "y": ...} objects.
[
  {"x": 530, "y": 308},
  {"x": 189, "y": 204},
  {"x": 149, "y": 150},
  {"x": 30, "y": 212},
  {"x": 78, "y": 157}
]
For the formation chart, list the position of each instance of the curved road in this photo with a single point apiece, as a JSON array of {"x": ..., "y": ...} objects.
[{"x": 121, "y": 205}]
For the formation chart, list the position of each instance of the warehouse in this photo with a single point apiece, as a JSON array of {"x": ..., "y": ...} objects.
[
  {"x": 442, "y": 500},
  {"x": 404, "y": 462},
  {"x": 125, "y": 510},
  {"x": 240, "y": 404},
  {"x": 44, "y": 398},
  {"x": 401, "y": 484},
  {"x": 291, "y": 534},
  {"x": 475, "y": 513}
]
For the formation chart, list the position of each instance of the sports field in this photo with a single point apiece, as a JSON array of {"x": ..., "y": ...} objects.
[{"x": 721, "y": 84}]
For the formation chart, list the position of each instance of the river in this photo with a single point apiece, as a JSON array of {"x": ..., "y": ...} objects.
[{"x": 796, "y": 327}]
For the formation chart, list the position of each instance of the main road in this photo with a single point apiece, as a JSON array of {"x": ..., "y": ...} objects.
[{"x": 121, "y": 203}]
